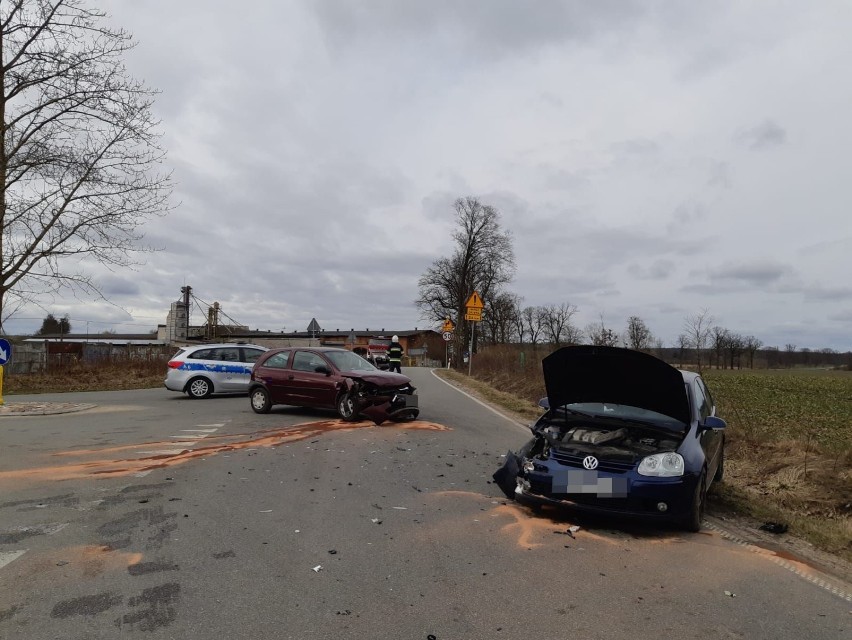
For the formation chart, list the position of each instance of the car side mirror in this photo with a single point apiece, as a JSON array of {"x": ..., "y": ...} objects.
[
  {"x": 323, "y": 369},
  {"x": 544, "y": 403},
  {"x": 713, "y": 423}
]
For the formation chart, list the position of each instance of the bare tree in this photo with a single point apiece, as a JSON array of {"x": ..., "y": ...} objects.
[
  {"x": 499, "y": 319},
  {"x": 78, "y": 150},
  {"x": 557, "y": 325},
  {"x": 533, "y": 323},
  {"x": 790, "y": 351},
  {"x": 600, "y": 335},
  {"x": 718, "y": 340},
  {"x": 682, "y": 345},
  {"x": 752, "y": 344},
  {"x": 734, "y": 345},
  {"x": 638, "y": 336},
  {"x": 518, "y": 320},
  {"x": 697, "y": 330},
  {"x": 483, "y": 260}
]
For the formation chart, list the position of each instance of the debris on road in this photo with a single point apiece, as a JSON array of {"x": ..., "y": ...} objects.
[
  {"x": 730, "y": 594},
  {"x": 317, "y": 568},
  {"x": 375, "y": 521}
]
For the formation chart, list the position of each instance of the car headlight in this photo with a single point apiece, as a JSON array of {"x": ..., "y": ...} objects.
[{"x": 662, "y": 465}]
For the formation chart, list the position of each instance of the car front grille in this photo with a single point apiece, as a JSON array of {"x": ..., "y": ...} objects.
[{"x": 574, "y": 460}]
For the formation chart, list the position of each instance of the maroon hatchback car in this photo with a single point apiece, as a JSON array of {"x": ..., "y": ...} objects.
[{"x": 331, "y": 378}]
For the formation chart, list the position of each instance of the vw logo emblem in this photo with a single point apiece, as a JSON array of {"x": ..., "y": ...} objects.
[{"x": 590, "y": 462}]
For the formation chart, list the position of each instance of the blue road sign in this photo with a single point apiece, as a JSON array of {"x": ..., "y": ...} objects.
[{"x": 5, "y": 351}]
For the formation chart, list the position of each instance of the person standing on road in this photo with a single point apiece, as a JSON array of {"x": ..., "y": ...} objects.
[{"x": 395, "y": 355}]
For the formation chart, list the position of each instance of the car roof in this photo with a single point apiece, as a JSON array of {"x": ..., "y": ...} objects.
[
  {"x": 320, "y": 349},
  {"x": 217, "y": 345}
]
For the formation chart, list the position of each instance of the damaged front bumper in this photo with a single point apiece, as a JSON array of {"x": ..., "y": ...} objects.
[
  {"x": 548, "y": 482},
  {"x": 399, "y": 407}
]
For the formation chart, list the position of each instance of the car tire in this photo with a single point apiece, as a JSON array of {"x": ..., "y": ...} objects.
[
  {"x": 720, "y": 470},
  {"x": 260, "y": 401},
  {"x": 346, "y": 407},
  {"x": 696, "y": 510},
  {"x": 199, "y": 388}
]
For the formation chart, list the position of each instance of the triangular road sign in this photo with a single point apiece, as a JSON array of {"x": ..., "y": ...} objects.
[{"x": 474, "y": 301}]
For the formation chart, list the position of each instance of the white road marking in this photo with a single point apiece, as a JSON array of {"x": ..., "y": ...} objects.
[
  {"x": 216, "y": 424},
  {"x": 523, "y": 426},
  {"x": 195, "y": 436},
  {"x": 200, "y": 430},
  {"x": 142, "y": 474},
  {"x": 8, "y": 556}
]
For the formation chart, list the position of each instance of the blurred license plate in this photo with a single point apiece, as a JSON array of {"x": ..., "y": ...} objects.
[{"x": 589, "y": 482}]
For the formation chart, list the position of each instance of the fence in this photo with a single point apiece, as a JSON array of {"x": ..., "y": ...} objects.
[{"x": 33, "y": 358}]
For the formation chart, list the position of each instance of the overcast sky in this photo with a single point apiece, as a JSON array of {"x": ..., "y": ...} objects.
[{"x": 649, "y": 158}]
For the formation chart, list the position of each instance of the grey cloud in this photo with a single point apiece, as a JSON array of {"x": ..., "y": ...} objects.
[
  {"x": 687, "y": 214},
  {"x": 657, "y": 270},
  {"x": 758, "y": 273},
  {"x": 823, "y": 293},
  {"x": 487, "y": 27},
  {"x": 118, "y": 286},
  {"x": 638, "y": 147},
  {"x": 762, "y": 136},
  {"x": 558, "y": 179},
  {"x": 720, "y": 175},
  {"x": 844, "y": 316}
]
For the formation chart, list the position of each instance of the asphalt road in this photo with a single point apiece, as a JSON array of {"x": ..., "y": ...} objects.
[{"x": 157, "y": 516}]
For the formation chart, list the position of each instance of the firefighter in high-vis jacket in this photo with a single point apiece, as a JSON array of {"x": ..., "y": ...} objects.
[{"x": 395, "y": 355}]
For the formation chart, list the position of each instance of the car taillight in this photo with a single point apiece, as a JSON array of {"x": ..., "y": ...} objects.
[{"x": 175, "y": 364}]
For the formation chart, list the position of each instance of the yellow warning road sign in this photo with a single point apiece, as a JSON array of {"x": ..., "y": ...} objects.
[
  {"x": 448, "y": 325},
  {"x": 474, "y": 302},
  {"x": 474, "y": 315}
]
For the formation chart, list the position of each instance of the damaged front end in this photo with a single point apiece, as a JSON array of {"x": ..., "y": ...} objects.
[
  {"x": 596, "y": 463},
  {"x": 364, "y": 398}
]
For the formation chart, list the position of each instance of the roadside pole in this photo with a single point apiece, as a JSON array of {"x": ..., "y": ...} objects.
[
  {"x": 470, "y": 349},
  {"x": 447, "y": 334},
  {"x": 473, "y": 312},
  {"x": 5, "y": 356}
]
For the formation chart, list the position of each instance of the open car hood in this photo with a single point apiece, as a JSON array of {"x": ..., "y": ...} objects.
[{"x": 617, "y": 376}]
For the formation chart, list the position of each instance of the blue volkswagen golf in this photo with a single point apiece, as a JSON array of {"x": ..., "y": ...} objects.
[{"x": 623, "y": 433}]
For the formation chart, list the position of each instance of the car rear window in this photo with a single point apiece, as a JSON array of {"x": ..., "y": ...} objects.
[{"x": 278, "y": 360}]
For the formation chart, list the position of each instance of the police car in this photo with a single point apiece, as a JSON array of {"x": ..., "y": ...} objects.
[{"x": 202, "y": 370}]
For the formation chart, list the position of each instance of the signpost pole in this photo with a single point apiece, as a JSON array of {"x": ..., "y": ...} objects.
[
  {"x": 5, "y": 357},
  {"x": 470, "y": 351}
]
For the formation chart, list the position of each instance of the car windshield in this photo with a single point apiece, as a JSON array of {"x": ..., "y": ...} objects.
[
  {"x": 348, "y": 361},
  {"x": 624, "y": 412}
]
